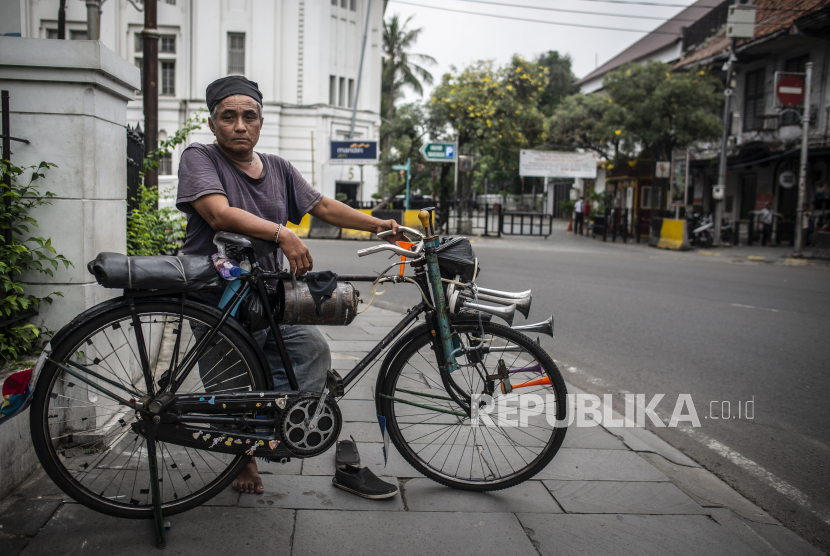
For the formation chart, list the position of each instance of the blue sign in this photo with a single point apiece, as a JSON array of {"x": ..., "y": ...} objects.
[{"x": 354, "y": 152}]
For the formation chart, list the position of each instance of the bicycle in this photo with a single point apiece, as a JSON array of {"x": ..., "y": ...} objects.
[{"x": 152, "y": 403}]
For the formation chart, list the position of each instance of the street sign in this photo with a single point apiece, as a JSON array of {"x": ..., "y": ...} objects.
[
  {"x": 663, "y": 169},
  {"x": 790, "y": 90},
  {"x": 679, "y": 179},
  {"x": 786, "y": 179},
  {"x": 438, "y": 151},
  {"x": 554, "y": 164},
  {"x": 466, "y": 163},
  {"x": 354, "y": 152}
]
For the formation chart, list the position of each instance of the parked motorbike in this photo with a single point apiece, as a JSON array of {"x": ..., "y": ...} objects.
[{"x": 702, "y": 235}]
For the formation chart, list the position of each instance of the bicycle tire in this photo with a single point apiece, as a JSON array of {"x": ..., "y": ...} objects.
[
  {"x": 87, "y": 335},
  {"x": 422, "y": 344}
]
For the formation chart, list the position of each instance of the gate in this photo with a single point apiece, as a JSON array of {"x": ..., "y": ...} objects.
[{"x": 135, "y": 159}]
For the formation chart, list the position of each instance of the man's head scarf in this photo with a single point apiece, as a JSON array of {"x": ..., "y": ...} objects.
[{"x": 225, "y": 87}]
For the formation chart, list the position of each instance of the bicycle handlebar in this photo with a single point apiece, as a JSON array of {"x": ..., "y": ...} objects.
[
  {"x": 394, "y": 248},
  {"x": 404, "y": 229}
]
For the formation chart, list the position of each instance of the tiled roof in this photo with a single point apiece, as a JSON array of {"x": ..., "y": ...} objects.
[
  {"x": 771, "y": 17},
  {"x": 663, "y": 36}
]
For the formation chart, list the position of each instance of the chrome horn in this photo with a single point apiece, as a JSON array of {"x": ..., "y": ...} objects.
[
  {"x": 522, "y": 304},
  {"x": 544, "y": 327},
  {"x": 507, "y": 295},
  {"x": 505, "y": 313}
]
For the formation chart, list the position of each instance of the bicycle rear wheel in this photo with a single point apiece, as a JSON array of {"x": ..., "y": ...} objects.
[
  {"x": 84, "y": 438},
  {"x": 433, "y": 431}
]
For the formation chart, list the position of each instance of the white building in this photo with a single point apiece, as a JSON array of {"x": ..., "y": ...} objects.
[
  {"x": 304, "y": 54},
  {"x": 664, "y": 44}
]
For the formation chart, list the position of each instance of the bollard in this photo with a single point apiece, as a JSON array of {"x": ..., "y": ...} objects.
[{"x": 750, "y": 228}]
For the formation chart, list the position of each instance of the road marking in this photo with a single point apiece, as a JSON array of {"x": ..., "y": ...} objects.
[
  {"x": 756, "y": 470},
  {"x": 756, "y": 258},
  {"x": 756, "y": 308},
  {"x": 795, "y": 261},
  {"x": 712, "y": 253}
]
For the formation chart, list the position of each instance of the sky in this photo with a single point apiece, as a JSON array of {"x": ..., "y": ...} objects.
[{"x": 456, "y": 39}]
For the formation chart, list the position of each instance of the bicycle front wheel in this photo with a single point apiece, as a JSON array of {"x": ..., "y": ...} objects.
[
  {"x": 514, "y": 437},
  {"x": 83, "y": 437}
]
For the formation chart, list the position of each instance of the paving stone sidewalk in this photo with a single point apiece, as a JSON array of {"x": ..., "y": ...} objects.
[{"x": 603, "y": 493}]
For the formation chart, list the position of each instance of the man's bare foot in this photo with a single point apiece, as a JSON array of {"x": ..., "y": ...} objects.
[{"x": 249, "y": 480}]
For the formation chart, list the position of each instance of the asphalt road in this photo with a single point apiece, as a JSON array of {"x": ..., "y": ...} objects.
[{"x": 633, "y": 319}]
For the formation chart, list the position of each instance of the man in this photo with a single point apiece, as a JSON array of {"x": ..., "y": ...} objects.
[
  {"x": 227, "y": 186},
  {"x": 579, "y": 216},
  {"x": 765, "y": 216}
]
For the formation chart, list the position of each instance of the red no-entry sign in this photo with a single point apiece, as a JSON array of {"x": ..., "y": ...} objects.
[{"x": 790, "y": 90}]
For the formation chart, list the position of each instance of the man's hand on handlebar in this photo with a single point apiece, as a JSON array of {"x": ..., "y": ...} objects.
[
  {"x": 390, "y": 225},
  {"x": 296, "y": 252}
]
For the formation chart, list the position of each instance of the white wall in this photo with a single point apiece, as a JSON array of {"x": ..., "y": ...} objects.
[{"x": 331, "y": 42}]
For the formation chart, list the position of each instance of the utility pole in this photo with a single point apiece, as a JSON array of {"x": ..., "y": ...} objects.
[
  {"x": 740, "y": 24},
  {"x": 455, "y": 189},
  {"x": 360, "y": 67},
  {"x": 149, "y": 85},
  {"x": 802, "y": 175},
  {"x": 727, "y": 121},
  {"x": 62, "y": 20}
]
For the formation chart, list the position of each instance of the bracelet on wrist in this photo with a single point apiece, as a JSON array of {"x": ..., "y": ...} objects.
[{"x": 277, "y": 234}]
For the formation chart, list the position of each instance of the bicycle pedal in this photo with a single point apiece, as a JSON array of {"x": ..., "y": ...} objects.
[{"x": 334, "y": 382}]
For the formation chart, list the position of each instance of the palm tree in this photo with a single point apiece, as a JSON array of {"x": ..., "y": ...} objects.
[{"x": 399, "y": 69}]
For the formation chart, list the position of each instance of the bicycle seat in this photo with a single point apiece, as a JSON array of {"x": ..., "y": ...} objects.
[{"x": 260, "y": 247}]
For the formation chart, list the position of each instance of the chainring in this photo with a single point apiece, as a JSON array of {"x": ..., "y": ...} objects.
[{"x": 294, "y": 430}]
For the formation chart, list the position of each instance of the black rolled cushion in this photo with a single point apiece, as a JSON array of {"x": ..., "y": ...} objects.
[{"x": 182, "y": 273}]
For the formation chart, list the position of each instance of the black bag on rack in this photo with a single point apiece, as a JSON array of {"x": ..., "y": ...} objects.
[{"x": 456, "y": 258}]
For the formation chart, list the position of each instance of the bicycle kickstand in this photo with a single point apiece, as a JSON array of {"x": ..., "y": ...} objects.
[{"x": 161, "y": 540}]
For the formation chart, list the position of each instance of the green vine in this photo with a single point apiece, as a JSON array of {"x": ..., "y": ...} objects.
[
  {"x": 33, "y": 254},
  {"x": 152, "y": 230}
]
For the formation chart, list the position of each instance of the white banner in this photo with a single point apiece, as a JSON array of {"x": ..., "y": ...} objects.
[{"x": 554, "y": 164}]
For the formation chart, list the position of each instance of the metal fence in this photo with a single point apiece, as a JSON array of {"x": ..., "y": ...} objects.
[{"x": 135, "y": 158}]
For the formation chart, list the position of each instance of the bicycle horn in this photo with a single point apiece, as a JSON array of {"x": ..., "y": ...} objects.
[
  {"x": 544, "y": 327},
  {"x": 505, "y": 313},
  {"x": 522, "y": 304}
]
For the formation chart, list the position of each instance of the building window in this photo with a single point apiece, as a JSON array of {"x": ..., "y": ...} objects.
[
  {"x": 171, "y": 2},
  {"x": 51, "y": 33},
  {"x": 353, "y": 5},
  {"x": 332, "y": 90},
  {"x": 333, "y": 2},
  {"x": 168, "y": 77},
  {"x": 754, "y": 100},
  {"x": 77, "y": 35},
  {"x": 139, "y": 42},
  {"x": 236, "y": 53},
  {"x": 645, "y": 197},
  {"x": 794, "y": 65},
  {"x": 344, "y": 3},
  {"x": 342, "y": 92},
  {"x": 167, "y": 43},
  {"x": 166, "y": 165},
  {"x": 351, "y": 92}
]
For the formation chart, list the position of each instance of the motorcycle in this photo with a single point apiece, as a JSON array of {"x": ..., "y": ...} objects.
[{"x": 702, "y": 235}]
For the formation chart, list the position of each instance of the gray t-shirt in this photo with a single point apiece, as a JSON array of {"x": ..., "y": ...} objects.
[{"x": 279, "y": 195}]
